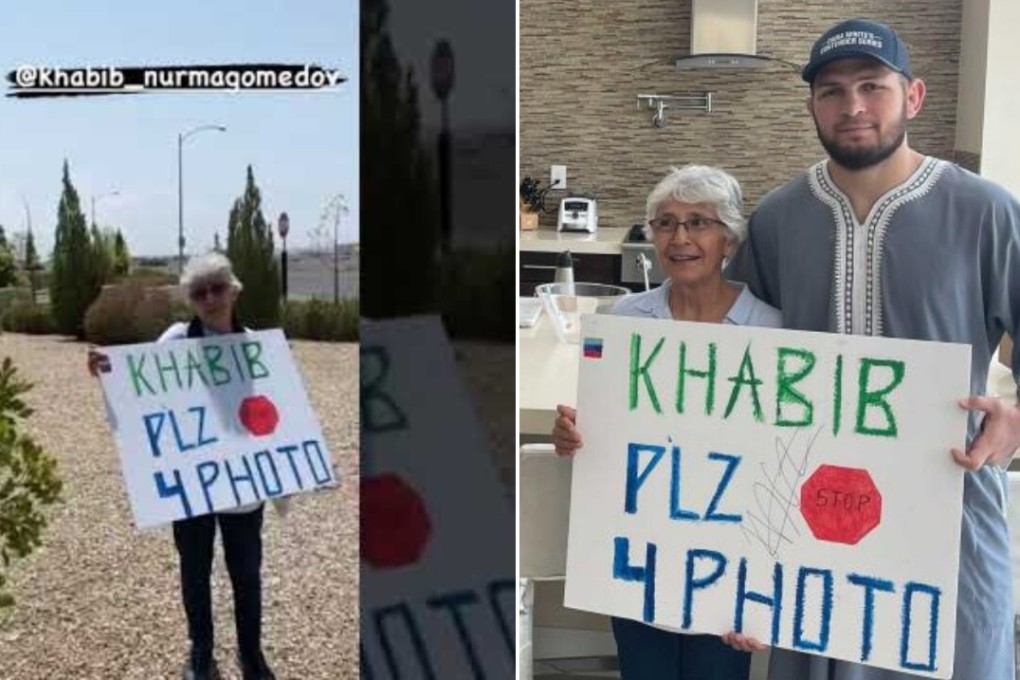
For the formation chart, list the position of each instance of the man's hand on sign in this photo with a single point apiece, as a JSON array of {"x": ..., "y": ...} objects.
[
  {"x": 743, "y": 642},
  {"x": 999, "y": 436},
  {"x": 97, "y": 362},
  {"x": 566, "y": 438}
]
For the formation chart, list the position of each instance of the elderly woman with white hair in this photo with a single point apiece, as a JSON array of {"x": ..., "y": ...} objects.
[
  {"x": 212, "y": 288},
  {"x": 695, "y": 222}
]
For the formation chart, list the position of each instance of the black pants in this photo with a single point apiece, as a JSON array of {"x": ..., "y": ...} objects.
[{"x": 242, "y": 546}]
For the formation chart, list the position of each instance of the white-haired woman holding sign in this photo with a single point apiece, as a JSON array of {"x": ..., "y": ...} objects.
[
  {"x": 695, "y": 222},
  {"x": 212, "y": 288}
]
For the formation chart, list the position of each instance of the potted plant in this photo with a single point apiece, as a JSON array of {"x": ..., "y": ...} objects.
[{"x": 532, "y": 202}]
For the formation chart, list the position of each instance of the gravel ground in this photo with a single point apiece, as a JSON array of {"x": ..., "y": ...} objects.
[{"x": 101, "y": 600}]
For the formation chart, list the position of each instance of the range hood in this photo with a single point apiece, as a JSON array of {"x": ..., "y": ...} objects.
[{"x": 724, "y": 34}]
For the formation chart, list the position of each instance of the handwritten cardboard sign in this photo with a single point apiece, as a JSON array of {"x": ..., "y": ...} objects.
[
  {"x": 209, "y": 424},
  {"x": 437, "y": 548},
  {"x": 793, "y": 486}
]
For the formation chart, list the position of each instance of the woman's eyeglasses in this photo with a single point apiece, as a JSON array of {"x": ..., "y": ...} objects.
[
  {"x": 697, "y": 224},
  {"x": 215, "y": 289}
]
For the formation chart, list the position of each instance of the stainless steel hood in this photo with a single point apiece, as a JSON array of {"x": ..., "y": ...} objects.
[{"x": 724, "y": 34}]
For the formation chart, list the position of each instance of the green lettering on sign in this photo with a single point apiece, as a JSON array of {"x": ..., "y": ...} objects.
[
  {"x": 379, "y": 411},
  {"x": 868, "y": 398},
  {"x": 252, "y": 351},
  {"x": 137, "y": 377},
  {"x": 786, "y": 395},
  {"x": 745, "y": 377},
  {"x": 708, "y": 374},
  {"x": 635, "y": 372},
  {"x": 219, "y": 375}
]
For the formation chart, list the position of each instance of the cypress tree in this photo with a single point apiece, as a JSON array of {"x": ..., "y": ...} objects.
[
  {"x": 250, "y": 250},
  {"x": 73, "y": 283}
]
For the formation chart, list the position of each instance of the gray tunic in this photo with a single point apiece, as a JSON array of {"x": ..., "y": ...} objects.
[{"x": 938, "y": 258}]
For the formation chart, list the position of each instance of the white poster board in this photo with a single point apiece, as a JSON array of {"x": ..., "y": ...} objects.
[
  {"x": 437, "y": 546},
  {"x": 209, "y": 424},
  {"x": 793, "y": 486}
]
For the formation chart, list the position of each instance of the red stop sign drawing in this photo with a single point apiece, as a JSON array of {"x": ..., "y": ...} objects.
[
  {"x": 840, "y": 504},
  {"x": 395, "y": 525},
  {"x": 259, "y": 415}
]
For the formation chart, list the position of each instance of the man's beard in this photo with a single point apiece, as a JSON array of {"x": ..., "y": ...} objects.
[{"x": 859, "y": 158}]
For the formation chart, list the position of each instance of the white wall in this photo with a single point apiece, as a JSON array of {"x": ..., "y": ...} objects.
[
  {"x": 970, "y": 103},
  {"x": 1000, "y": 136}
]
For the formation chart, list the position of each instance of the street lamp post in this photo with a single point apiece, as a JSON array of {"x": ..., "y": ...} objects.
[
  {"x": 283, "y": 224},
  {"x": 336, "y": 257},
  {"x": 442, "y": 83},
  {"x": 30, "y": 267},
  {"x": 94, "y": 198},
  {"x": 180, "y": 187}
]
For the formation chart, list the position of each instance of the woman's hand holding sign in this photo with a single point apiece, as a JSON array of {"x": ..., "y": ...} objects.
[
  {"x": 566, "y": 438},
  {"x": 97, "y": 362},
  {"x": 743, "y": 643}
]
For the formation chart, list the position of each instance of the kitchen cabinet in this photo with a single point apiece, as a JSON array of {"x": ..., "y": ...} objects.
[
  {"x": 597, "y": 257},
  {"x": 540, "y": 267}
]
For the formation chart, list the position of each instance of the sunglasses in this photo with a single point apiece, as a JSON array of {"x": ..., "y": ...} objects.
[{"x": 215, "y": 289}]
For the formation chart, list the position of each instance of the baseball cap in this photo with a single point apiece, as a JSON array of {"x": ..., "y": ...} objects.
[{"x": 858, "y": 38}]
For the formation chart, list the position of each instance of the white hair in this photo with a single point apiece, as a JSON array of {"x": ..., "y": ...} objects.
[
  {"x": 702, "y": 184},
  {"x": 211, "y": 265}
]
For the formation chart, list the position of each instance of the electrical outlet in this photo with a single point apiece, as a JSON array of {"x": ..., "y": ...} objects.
[{"x": 558, "y": 172}]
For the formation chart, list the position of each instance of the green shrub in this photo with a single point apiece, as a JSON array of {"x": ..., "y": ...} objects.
[
  {"x": 151, "y": 276},
  {"x": 128, "y": 313},
  {"x": 12, "y": 294},
  {"x": 29, "y": 317},
  {"x": 477, "y": 294},
  {"x": 321, "y": 320},
  {"x": 28, "y": 478}
]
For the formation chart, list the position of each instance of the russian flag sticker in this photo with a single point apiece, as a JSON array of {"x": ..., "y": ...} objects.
[{"x": 593, "y": 348}]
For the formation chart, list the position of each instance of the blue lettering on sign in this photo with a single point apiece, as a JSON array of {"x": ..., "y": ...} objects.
[
  {"x": 152, "y": 430},
  {"x": 933, "y": 625},
  {"x": 181, "y": 444},
  {"x": 691, "y": 583},
  {"x": 202, "y": 441},
  {"x": 675, "y": 511},
  {"x": 634, "y": 478},
  {"x": 773, "y": 602},
  {"x": 503, "y": 614},
  {"x": 625, "y": 571},
  {"x": 870, "y": 585},
  {"x": 454, "y": 601},
  {"x": 277, "y": 489},
  {"x": 289, "y": 452},
  {"x": 247, "y": 477},
  {"x": 154, "y": 426},
  {"x": 403, "y": 614},
  {"x": 798, "y": 612},
  {"x": 637, "y": 475},
  {"x": 177, "y": 490},
  {"x": 731, "y": 466},
  {"x": 327, "y": 475},
  {"x": 207, "y": 481},
  {"x": 398, "y": 628}
]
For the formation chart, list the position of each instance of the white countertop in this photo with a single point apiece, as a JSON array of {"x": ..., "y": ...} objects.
[
  {"x": 605, "y": 241},
  {"x": 548, "y": 376}
]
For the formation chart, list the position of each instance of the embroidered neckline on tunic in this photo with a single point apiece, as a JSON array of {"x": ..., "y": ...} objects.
[{"x": 857, "y": 279}]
